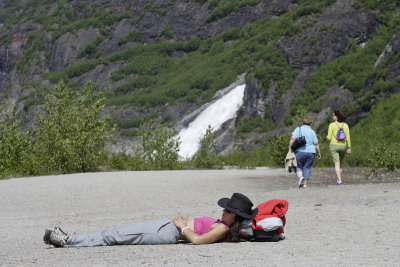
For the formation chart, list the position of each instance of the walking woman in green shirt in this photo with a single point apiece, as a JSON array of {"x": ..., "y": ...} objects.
[{"x": 339, "y": 137}]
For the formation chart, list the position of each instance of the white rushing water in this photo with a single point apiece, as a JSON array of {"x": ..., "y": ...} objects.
[{"x": 216, "y": 114}]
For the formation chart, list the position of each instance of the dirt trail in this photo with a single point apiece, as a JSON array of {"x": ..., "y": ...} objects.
[{"x": 326, "y": 224}]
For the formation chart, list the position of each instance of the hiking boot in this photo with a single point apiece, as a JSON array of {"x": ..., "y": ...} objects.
[{"x": 57, "y": 238}]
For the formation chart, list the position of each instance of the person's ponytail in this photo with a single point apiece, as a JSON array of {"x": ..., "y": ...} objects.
[{"x": 234, "y": 230}]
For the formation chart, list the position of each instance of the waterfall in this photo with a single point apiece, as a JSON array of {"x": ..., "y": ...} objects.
[{"x": 216, "y": 114}]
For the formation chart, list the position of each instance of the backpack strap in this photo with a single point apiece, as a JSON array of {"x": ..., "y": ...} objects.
[{"x": 339, "y": 125}]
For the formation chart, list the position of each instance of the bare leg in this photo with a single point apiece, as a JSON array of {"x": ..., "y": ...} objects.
[
  {"x": 338, "y": 171},
  {"x": 299, "y": 174}
]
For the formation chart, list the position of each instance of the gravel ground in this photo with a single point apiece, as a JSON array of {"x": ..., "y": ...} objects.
[{"x": 327, "y": 225}]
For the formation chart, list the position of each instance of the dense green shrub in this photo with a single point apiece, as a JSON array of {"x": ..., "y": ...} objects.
[
  {"x": 134, "y": 122},
  {"x": 375, "y": 138},
  {"x": 133, "y": 36},
  {"x": 278, "y": 148},
  {"x": 72, "y": 71},
  {"x": 15, "y": 145},
  {"x": 159, "y": 147},
  {"x": 92, "y": 48},
  {"x": 206, "y": 157},
  {"x": 383, "y": 156},
  {"x": 258, "y": 156},
  {"x": 70, "y": 136},
  {"x": 167, "y": 32},
  {"x": 222, "y": 8},
  {"x": 249, "y": 125}
]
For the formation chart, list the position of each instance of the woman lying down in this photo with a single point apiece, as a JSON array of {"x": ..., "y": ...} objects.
[{"x": 203, "y": 230}]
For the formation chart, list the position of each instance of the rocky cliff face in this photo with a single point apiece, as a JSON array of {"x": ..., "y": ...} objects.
[
  {"x": 316, "y": 45},
  {"x": 310, "y": 50}
]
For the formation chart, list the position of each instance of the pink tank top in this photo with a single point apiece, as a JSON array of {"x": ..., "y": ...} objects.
[{"x": 203, "y": 225}]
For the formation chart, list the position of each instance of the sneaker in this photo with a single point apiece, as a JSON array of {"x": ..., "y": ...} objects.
[
  {"x": 301, "y": 181},
  {"x": 57, "y": 238},
  {"x": 339, "y": 182},
  {"x": 304, "y": 185}
]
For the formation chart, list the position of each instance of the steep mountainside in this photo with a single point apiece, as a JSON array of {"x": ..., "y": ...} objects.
[{"x": 162, "y": 60}]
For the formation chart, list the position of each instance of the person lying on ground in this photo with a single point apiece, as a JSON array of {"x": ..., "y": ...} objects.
[{"x": 203, "y": 230}]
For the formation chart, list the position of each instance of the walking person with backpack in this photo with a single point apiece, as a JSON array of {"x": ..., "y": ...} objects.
[
  {"x": 304, "y": 144},
  {"x": 339, "y": 137}
]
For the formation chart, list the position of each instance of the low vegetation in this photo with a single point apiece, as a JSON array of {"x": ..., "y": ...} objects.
[{"x": 69, "y": 136}]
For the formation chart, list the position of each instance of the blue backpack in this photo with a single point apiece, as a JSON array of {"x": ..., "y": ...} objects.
[{"x": 340, "y": 135}]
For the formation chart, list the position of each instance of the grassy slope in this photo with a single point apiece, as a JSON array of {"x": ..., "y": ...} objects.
[{"x": 379, "y": 131}]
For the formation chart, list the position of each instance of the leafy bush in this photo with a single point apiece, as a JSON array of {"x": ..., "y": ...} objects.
[
  {"x": 378, "y": 135},
  {"x": 224, "y": 8},
  {"x": 70, "y": 136},
  {"x": 133, "y": 36},
  {"x": 159, "y": 147},
  {"x": 92, "y": 48},
  {"x": 167, "y": 32},
  {"x": 278, "y": 148},
  {"x": 249, "y": 125},
  {"x": 134, "y": 122},
  {"x": 15, "y": 145},
  {"x": 383, "y": 156},
  {"x": 258, "y": 156},
  {"x": 382, "y": 86},
  {"x": 205, "y": 157}
]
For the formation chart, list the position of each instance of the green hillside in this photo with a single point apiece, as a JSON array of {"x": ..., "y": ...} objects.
[
  {"x": 376, "y": 138},
  {"x": 148, "y": 72}
]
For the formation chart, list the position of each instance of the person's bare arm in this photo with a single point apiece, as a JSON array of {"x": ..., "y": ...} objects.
[
  {"x": 318, "y": 150},
  {"x": 217, "y": 232}
]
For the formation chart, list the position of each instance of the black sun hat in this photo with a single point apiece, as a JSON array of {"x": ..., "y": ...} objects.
[{"x": 238, "y": 204}]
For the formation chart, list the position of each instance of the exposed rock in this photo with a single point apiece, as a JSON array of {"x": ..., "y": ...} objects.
[
  {"x": 334, "y": 99},
  {"x": 226, "y": 139},
  {"x": 330, "y": 34},
  {"x": 68, "y": 46},
  {"x": 392, "y": 48},
  {"x": 254, "y": 101}
]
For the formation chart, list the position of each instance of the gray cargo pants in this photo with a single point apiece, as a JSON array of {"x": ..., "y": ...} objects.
[{"x": 144, "y": 233}]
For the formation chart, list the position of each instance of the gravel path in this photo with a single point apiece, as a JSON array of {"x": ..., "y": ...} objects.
[{"x": 327, "y": 225}]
